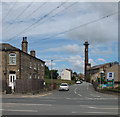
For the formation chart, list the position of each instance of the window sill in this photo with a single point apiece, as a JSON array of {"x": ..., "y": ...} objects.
[{"x": 12, "y": 64}]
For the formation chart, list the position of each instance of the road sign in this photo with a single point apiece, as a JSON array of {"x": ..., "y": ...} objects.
[
  {"x": 110, "y": 76},
  {"x": 110, "y": 79}
]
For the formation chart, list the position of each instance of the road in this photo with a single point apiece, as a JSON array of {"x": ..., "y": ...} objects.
[{"x": 81, "y": 99}]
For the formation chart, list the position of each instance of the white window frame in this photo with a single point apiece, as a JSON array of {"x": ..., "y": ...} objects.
[
  {"x": 10, "y": 63},
  {"x": 38, "y": 66},
  {"x": 34, "y": 65},
  {"x": 42, "y": 65},
  {"x": 30, "y": 76}
]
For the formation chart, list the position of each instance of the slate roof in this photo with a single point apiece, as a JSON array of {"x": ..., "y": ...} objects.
[
  {"x": 102, "y": 65},
  {"x": 8, "y": 47}
]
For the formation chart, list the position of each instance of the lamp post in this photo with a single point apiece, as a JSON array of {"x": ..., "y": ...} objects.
[{"x": 51, "y": 76}]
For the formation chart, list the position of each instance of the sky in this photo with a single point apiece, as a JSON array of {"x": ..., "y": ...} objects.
[{"x": 58, "y": 30}]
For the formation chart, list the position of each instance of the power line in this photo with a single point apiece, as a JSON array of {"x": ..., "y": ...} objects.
[
  {"x": 63, "y": 31},
  {"x": 56, "y": 14},
  {"x": 65, "y": 8},
  {"x": 36, "y": 9},
  {"x": 41, "y": 18},
  {"x": 47, "y": 15},
  {"x": 23, "y": 11},
  {"x": 82, "y": 25},
  {"x": 10, "y": 10}
]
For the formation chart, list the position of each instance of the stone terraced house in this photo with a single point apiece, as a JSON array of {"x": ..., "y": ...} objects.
[{"x": 21, "y": 72}]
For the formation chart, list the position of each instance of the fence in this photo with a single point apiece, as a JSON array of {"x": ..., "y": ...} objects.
[
  {"x": 4, "y": 85},
  {"x": 28, "y": 85}
]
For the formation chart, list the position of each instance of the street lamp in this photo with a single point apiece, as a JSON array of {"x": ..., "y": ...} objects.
[
  {"x": 101, "y": 72},
  {"x": 51, "y": 75}
]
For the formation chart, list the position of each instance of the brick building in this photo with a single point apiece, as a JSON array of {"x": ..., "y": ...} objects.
[{"x": 20, "y": 70}]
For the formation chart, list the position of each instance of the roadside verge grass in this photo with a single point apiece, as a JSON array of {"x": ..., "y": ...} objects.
[{"x": 58, "y": 82}]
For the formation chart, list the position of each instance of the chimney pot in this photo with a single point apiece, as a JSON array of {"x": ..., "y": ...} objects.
[
  {"x": 32, "y": 53},
  {"x": 25, "y": 45}
]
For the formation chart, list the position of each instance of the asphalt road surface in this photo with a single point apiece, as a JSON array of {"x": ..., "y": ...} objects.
[{"x": 81, "y": 99}]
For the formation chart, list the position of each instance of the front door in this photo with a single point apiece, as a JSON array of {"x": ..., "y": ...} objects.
[{"x": 12, "y": 78}]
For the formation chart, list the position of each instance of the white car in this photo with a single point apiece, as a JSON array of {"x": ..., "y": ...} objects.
[
  {"x": 78, "y": 82},
  {"x": 64, "y": 86}
]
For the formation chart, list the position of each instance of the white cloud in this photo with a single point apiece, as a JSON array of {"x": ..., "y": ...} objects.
[
  {"x": 105, "y": 30},
  {"x": 99, "y": 51},
  {"x": 73, "y": 49},
  {"x": 92, "y": 62},
  {"x": 77, "y": 63},
  {"x": 101, "y": 60},
  {"x": 83, "y": 13}
]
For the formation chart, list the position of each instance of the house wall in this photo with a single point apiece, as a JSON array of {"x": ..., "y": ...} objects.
[
  {"x": 114, "y": 69},
  {"x": 6, "y": 67},
  {"x": 27, "y": 69},
  {"x": 66, "y": 75},
  {"x": 22, "y": 68}
]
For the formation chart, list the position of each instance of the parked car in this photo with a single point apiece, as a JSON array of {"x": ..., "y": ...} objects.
[
  {"x": 64, "y": 86},
  {"x": 81, "y": 81},
  {"x": 78, "y": 82}
]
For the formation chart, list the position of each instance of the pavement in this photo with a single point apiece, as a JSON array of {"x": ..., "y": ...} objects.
[{"x": 81, "y": 99}]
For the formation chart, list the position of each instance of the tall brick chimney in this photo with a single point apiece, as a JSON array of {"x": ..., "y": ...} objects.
[
  {"x": 32, "y": 52},
  {"x": 25, "y": 45},
  {"x": 86, "y": 58}
]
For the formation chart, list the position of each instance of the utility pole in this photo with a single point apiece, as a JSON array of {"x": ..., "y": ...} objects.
[{"x": 51, "y": 76}]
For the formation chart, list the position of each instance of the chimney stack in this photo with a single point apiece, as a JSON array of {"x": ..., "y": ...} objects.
[
  {"x": 32, "y": 52},
  {"x": 25, "y": 45},
  {"x": 86, "y": 57}
]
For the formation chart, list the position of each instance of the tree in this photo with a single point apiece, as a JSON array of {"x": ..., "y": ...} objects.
[
  {"x": 74, "y": 78},
  {"x": 75, "y": 74},
  {"x": 54, "y": 74},
  {"x": 47, "y": 72}
]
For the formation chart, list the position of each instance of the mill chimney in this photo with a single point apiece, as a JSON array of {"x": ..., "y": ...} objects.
[
  {"x": 32, "y": 52},
  {"x": 86, "y": 58},
  {"x": 25, "y": 45}
]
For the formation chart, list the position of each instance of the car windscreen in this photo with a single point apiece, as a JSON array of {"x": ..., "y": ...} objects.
[{"x": 63, "y": 84}]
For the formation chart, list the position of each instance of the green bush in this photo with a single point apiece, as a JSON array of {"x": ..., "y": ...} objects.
[{"x": 102, "y": 80}]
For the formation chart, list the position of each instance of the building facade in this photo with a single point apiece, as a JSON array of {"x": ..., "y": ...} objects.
[
  {"x": 98, "y": 71},
  {"x": 19, "y": 65},
  {"x": 66, "y": 74}
]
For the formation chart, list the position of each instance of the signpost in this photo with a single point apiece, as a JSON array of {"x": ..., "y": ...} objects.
[{"x": 110, "y": 79}]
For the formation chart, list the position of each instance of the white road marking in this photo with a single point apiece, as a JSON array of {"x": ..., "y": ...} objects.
[
  {"x": 27, "y": 104},
  {"x": 68, "y": 98},
  {"x": 100, "y": 112},
  {"x": 108, "y": 108},
  {"x": 18, "y": 110},
  {"x": 91, "y": 107},
  {"x": 101, "y": 98},
  {"x": 94, "y": 95},
  {"x": 79, "y": 95},
  {"x": 74, "y": 112},
  {"x": 75, "y": 90}
]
